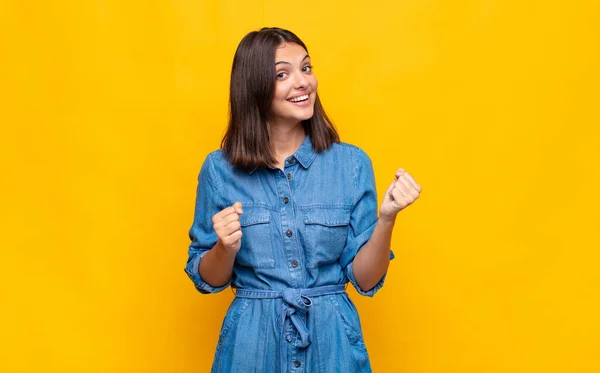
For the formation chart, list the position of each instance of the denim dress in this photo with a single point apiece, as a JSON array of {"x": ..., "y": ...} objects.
[{"x": 302, "y": 227}]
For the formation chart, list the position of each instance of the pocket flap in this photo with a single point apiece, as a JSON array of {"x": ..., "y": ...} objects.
[
  {"x": 327, "y": 217},
  {"x": 254, "y": 216}
]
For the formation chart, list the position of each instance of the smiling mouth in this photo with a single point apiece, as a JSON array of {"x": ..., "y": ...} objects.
[{"x": 298, "y": 99}]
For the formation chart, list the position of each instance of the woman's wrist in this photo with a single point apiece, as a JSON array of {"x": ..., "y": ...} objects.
[
  {"x": 387, "y": 221},
  {"x": 223, "y": 253}
]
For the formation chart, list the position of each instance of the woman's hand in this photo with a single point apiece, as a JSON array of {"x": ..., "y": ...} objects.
[
  {"x": 403, "y": 191},
  {"x": 226, "y": 224}
]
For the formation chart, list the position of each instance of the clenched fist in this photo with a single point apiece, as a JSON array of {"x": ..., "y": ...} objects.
[
  {"x": 403, "y": 191},
  {"x": 226, "y": 224}
]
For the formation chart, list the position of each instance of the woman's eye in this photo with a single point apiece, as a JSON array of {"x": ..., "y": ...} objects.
[
  {"x": 307, "y": 68},
  {"x": 281, "y": 75}
]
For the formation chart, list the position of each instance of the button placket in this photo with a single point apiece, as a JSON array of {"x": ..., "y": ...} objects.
[{"x": 288, "y": 223}]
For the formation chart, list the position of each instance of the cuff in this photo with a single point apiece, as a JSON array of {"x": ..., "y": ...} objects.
[
  {"x": 192, "y": 269},
  {"x": 373, "y": 290}
]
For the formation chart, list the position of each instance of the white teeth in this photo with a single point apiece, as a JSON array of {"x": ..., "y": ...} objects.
[{"x": 299, "y": 98}]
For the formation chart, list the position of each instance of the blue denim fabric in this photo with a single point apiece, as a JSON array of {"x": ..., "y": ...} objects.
[{"x": 302, "y": 227}]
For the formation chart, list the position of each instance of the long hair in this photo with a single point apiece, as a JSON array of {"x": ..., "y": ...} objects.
[{"x": 247, "y": 142}]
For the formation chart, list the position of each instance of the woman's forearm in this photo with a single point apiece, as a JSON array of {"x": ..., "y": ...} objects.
[
  {"x": 217, "y": 265},
  {"x": 372, "y": 261}
]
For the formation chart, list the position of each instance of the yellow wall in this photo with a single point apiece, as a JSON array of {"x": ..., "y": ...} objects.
[{"x": 109, "y": 107}]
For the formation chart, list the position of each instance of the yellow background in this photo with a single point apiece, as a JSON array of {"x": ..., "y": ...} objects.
[{"x": 109, "y": 107}]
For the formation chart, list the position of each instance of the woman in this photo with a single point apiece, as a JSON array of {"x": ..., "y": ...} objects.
[{"x": 287, "y": 215}]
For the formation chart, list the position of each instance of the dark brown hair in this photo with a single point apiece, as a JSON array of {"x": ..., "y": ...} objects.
[{"x": 246, "y": 142}]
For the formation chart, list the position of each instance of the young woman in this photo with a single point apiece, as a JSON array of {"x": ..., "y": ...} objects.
[{"x": 287, "y": 215}]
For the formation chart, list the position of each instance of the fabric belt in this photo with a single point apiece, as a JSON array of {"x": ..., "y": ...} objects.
[{"x": 295, "y": 305}]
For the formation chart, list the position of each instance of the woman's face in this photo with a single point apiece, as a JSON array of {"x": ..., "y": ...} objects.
[{"x": 295, "y": 85}]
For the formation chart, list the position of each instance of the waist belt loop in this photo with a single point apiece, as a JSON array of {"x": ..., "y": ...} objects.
[{"x": 295, "y": 305}]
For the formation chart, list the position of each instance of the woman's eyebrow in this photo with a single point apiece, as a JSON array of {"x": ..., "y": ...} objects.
[{"x": 287, "y": 63}]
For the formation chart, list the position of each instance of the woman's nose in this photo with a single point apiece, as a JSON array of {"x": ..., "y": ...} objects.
[{"x": 301, "y": 81}]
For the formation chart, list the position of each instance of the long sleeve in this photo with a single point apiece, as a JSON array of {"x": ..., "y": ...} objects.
[
  {"x": 202, "y": 234},
  {"x": 362, "y": 219}
]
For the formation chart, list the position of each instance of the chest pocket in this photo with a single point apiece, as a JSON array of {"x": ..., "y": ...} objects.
[
  {"x": 257, "y": 239},
  {"x": 325, "y": 234}
]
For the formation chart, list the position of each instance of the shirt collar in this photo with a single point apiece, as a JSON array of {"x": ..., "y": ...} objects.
[{"x": 305, "y": 154}]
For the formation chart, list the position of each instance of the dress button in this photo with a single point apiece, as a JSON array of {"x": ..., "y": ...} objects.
[
  {"x": 289, "y": 176},
  {"x": 288, "y": 338},
  {"x": 294, "y": 263},
  {"x": 290, "y": 160},
  {"x": 286, "y": 200},
  {"x": 297, "y": 364},
  {"x": 288, "y": 233}
]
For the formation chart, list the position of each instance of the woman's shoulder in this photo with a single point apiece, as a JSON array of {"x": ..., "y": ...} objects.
[
  {"x": 217, "y": 162},
  {"x": 215, "y": 156},
  {"x": 350, "y": 150},
  {"x": 347, "y": 146},
  {"x": 218, "y": 159}
]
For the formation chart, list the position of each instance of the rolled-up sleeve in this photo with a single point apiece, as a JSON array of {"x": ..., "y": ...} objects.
[
  {"x": 202, "y": 234},
  {"x": 362, "y": 220}
]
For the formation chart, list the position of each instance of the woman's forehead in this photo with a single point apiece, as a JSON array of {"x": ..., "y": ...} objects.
[{"x": 289, "y": 52}]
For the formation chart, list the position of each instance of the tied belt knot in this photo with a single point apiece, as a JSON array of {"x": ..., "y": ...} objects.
[{"x": 295, "y": 305}]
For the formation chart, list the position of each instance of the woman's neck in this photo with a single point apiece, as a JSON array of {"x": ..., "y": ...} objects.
[{"x": 285, "y": 140}]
